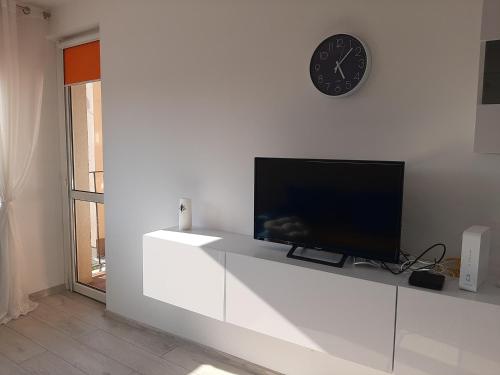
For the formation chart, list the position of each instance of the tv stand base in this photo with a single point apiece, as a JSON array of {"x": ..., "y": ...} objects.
[{"x": 338, "y": 264}]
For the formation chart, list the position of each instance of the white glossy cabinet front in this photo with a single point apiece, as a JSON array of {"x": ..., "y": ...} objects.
[
  {"x": 443, "y": 335},
  {"x": 179, "y": 270},
  {"x": 346, "y": 317}
]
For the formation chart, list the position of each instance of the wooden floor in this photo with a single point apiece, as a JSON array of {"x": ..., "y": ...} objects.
[
  {"x": 99, "y": 281},
  {"x": 69, "y": 334}
]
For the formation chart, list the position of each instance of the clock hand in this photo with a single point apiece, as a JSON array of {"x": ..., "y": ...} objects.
[
  {"x": 341, "y": 61},
  {"x": 343, "y": 58},
  {"x": 337, "y": 67}
]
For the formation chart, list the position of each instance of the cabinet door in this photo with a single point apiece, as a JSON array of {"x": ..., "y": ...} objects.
[
  {"x": 178, "y": 270},
  {"x": 346, "y": 317},
  {"x": 443, "y": 335}
]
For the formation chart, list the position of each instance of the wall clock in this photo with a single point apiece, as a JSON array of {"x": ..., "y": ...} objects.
[{"x": 340, "y": 65}]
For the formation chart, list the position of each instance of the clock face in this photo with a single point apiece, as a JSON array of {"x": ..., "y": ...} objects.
[{"x": 339, "y": 65}]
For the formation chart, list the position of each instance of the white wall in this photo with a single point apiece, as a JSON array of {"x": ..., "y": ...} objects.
[
  {"x": 194, "y": 90},
  {"x": 39, "y": 214}
]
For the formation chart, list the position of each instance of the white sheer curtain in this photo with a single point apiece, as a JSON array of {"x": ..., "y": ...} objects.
[{"x": 22, "y": 56}]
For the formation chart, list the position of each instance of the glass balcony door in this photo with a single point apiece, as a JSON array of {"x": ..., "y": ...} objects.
[{"x": 86, "y": 192}]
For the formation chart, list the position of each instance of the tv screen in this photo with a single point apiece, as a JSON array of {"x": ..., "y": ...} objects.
[{"x": 351, "y": 207}]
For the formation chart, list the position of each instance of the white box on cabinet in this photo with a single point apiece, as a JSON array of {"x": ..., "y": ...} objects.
[
  {"x": 346, "y": 317},
  {"x": 180, "y": 270},
  {"x": 475, "y": 257}
]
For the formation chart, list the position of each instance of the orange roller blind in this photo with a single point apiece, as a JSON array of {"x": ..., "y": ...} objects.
[{"x": 82, "y": 63}]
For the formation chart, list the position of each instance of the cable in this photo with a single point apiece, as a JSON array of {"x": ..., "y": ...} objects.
[
  {"x": 427, "y": 265},
  {"x": 410, "y": 263},
  {"x": 449, "y": 267}
]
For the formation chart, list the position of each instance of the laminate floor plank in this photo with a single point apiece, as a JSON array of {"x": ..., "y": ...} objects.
[
  {"x": 131, "y": 355},
  {"x": 201, "y": 362},
  {"x": 84, "y": 300},
  {"x": 8, "y": 367},
  {"x": 90, "y": 314},
  {"x": 211, "y": 370},
  {"x": 149, "y": 340},
  {"x": 50, "y": 364},
  {"x": 17, "y": 347},
  {"x": 93, "y": 314},
  {"x": 206, "y": 353},
  {"x": 62, "y": 320},
  {"x": 70, "y": 298},
  {"x": 70, "y": 334},
  {"x": 80, "y": 356}
]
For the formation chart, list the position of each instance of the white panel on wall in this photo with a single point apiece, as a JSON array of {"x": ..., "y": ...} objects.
[
  {"x": 345, "y": 317},
  {"x": 487, "y": 132},
  {"x": 490, "y": 26},
  {"x": 442, "y": 335},
  {"x": 178, "y": 271},
  {"x": 487, "y": 136}
]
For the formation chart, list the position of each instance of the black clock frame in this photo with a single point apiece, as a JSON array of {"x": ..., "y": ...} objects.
[{"x": 340, "y": 65}]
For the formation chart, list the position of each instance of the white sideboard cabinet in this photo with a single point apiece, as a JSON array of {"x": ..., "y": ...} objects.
[{"x": 366, "y": 316}]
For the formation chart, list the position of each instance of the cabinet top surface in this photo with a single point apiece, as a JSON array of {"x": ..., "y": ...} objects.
[{"x": 248, "y": 246}]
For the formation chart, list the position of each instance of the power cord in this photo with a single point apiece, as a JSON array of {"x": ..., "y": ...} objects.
[{"x": 408, "y": 264}]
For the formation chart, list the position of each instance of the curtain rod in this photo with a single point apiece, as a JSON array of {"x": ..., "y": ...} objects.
[{"x": 27, "y": 10}]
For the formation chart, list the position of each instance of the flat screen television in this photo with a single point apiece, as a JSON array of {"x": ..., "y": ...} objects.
[{"x": 351, "y": 207}]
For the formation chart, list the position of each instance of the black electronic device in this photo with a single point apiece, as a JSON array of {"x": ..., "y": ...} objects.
[{"x": 427, "y": 279}]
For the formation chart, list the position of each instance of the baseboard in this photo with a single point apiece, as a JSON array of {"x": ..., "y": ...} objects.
[{"x": 48, "y": 292}]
